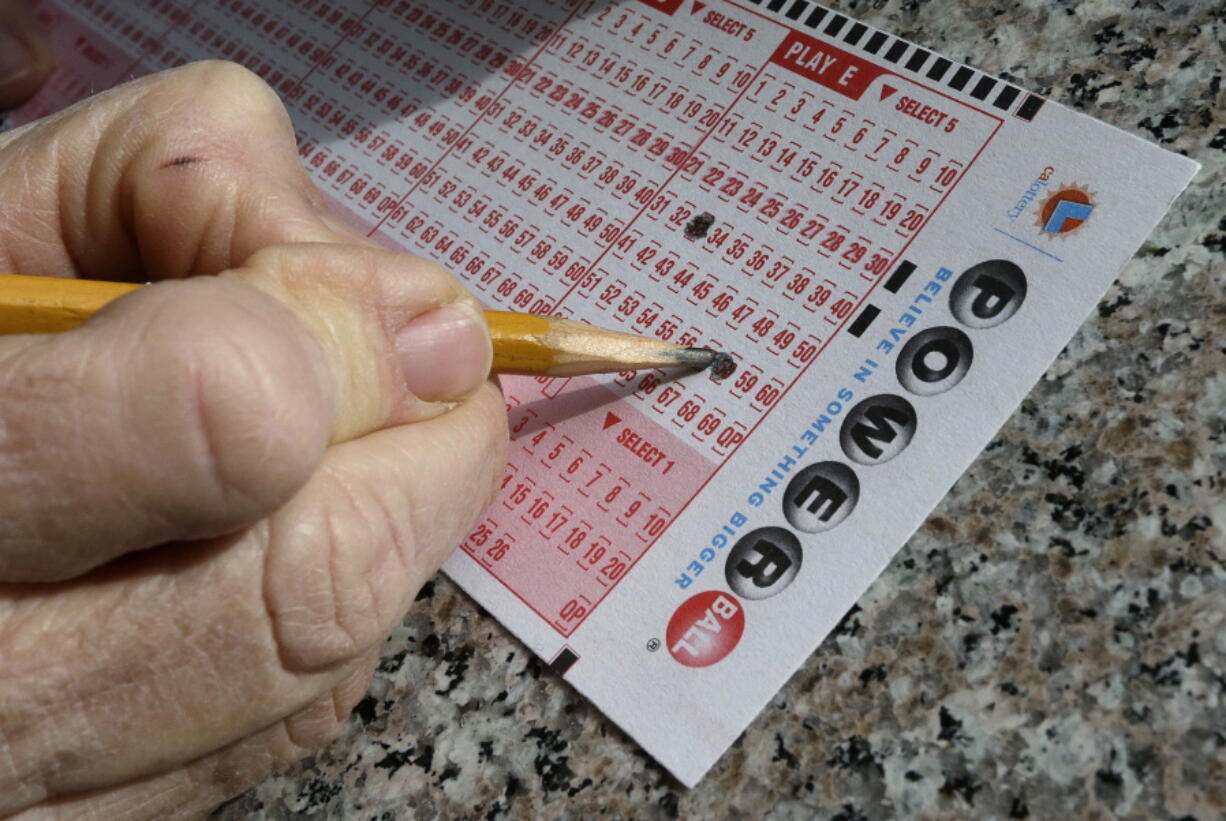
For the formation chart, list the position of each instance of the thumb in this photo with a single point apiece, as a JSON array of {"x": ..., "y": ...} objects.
[
  {"x": 25, "y": 53},
  {"x": 193, "y": 408}
]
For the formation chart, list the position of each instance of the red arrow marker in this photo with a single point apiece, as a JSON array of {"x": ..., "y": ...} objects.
[
  {"x": 698, "y": 7},
  {"x": 610, "y": 420},
  {"x": 886, "y": 91}
]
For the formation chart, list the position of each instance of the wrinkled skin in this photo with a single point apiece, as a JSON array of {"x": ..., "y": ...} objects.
[{"x": 221, "y": 493}]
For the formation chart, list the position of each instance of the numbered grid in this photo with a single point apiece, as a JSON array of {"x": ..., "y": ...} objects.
[{"x": 605, "y": 166}]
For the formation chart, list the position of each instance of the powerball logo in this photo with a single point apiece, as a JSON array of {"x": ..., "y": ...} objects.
[
  {"x": 1065, "y": 211},
  {"x": 820, "y": 496}
]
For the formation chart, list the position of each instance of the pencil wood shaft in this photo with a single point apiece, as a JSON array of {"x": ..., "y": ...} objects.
[
  {"x": 43, "y": 305},
  {"x": 523, "y": 343},
  {"x": 526, "y": 343}
]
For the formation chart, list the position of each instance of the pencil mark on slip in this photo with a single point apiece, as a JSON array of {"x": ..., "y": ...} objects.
[
  {"x": 698, "y": 227},
  {"x": 722, "y": 366}
]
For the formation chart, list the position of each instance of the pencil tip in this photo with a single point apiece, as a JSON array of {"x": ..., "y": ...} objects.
[{"x": 720, "y": 364}]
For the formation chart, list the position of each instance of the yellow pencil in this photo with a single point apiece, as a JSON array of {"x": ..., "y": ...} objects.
[{"x": 523, "y": 343}]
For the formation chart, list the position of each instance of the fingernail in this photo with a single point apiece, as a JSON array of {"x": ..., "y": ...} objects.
[
  {"x": 445, "y": 354},
  {"x": 16, "y": 60}
]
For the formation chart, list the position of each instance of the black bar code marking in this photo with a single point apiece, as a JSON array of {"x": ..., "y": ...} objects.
[
  {"x": 900, "y": 276},
  {"x": 961, "y": 77},
  {"x": 797, "y": 9},
  {"x": 563, "y": 661},
  {"x": 1030, "y": 107},
  {"x": 862, "y": 322},
  {"x": 896, "y": 51},
  {"x": 917, "y": 60},
  {"x": 1006, "y": 97},
  {"x": 835, "y": 25},
  {"x": 938, "y": 69},
  {"x": 983, "y": 88},
  {"x": 815, "y": 19}
]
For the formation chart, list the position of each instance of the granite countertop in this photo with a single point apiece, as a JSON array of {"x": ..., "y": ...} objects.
[{"x": 1051, "y": 644}]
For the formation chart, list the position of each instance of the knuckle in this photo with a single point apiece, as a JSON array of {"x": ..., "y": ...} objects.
[
  {"x": 333, "y": 573},
  {"x": 471, "y": 455},
  {"x": 444, "y": 280},
  {"x": 214, "y": 110},
  {"x": 228, "y": 86},
  {"x": 313, "y": 727},
  {"x": 253, "y": 421}
]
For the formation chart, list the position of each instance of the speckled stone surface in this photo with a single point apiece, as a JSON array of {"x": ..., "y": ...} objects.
[{"x": 1051, "y": 644}]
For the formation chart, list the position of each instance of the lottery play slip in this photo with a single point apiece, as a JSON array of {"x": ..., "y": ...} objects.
[{"x": 892, "y": 246}]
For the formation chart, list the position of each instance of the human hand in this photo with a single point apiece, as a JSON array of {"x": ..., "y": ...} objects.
[
  {"x": 25, "y": 53},
  {"x": 221, "y": 493}
]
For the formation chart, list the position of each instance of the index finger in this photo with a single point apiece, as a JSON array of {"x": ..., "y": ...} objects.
[
  {"x": 185, "y": 172},
  {"x": 25, "y": 54}
]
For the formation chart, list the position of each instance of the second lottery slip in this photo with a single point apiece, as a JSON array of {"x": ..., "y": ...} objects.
[{"x": 892, "y": 246}]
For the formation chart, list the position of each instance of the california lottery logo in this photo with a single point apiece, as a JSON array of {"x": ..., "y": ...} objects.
[
  {"x": 819, "y": 497},
  {"x": 1065, "y": 211}
]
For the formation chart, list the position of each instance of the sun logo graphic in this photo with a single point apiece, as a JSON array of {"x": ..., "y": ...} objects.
[{"x": 1066, "y": 210}]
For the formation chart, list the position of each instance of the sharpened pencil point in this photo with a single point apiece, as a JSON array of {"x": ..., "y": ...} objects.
[{"x": 720, "y": 364}]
